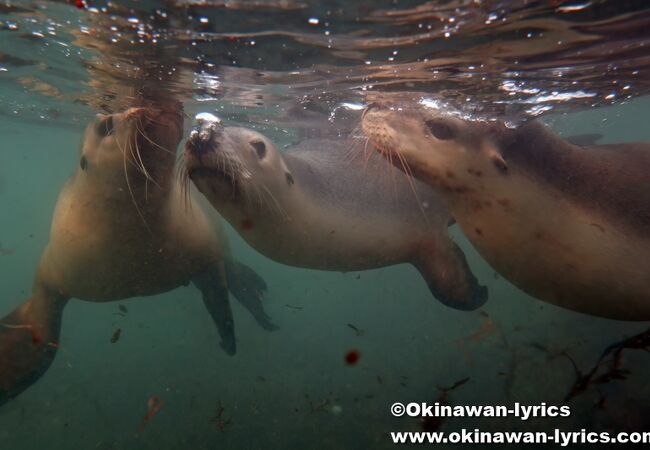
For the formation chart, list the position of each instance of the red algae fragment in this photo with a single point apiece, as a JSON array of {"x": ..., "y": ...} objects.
[
  {"x": 154, "y": 405},
  {"x": 352, "y": 357}
]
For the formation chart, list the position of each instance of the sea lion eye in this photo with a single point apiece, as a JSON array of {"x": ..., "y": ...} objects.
[
  {"x": 440, "y": 129},
  {"x": 83, "y": 163},
  {"x": 105, "y": 126},
  {"x": 260, "y": 148}
]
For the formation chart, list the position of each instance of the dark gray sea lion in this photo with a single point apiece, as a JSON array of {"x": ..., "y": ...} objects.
[
  {"x": 120, "y": 229},
  {"x": 567, "y": 224},
  {"x": 318, "y": 207}
]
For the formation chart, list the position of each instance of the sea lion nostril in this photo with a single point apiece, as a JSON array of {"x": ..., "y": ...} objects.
[
  {"x": 200, "y": 146},
  {"x": 373, "y": 106},
  {"x": 207, "y": 131},
  {"x": 204, "y": 137}
]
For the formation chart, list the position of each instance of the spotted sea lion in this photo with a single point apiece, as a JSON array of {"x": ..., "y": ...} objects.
[
  {"x": 316, "y": 207},
  {"x": 120, "y": 229},
  {"x": 568, "y": 224}
]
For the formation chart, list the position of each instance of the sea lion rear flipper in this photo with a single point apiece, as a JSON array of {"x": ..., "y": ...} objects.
[
  {"x": 215, "y": 296},
  {"x": 248, "y": 288},
  {"x": 28, "y": 341},
  {"x": 449, "y": 277}
]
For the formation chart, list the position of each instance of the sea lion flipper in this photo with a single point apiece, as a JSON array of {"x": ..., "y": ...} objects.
[
  {"x": 248, "y": 287},
  {"x": 28, "y": 341},
  {"x": 215, "y": 296},
  {"x": 450, "y": 279}
]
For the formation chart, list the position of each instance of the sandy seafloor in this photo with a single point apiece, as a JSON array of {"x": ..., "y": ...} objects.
[{"x": 291, "y": 388}]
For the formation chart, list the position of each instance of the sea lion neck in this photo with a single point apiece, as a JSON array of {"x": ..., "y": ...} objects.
[{"x": 609, "y": 180}]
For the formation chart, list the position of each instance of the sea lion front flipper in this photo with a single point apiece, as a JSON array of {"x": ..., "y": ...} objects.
[
  {"x": 449, "y": 277},
  {"x": 215, "y": 296},
  {"x": 28, "y": 341},
  {"x": 248, "y": 288}
]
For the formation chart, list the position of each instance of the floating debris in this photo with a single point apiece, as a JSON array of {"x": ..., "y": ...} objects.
[
  {"x": 322, "y": 405},
  {"x": 154, "y": 404},
  {"x": 219, "y": 420},
  {"x": 116, "y": 336},
  {"x": 433, "y": 423},
  {"x": 610, "y": 357},
  {"x": 6, "y": 251},
  {"x": 357, "y": 331}
]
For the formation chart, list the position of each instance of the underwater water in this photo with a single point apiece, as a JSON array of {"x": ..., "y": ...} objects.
[{"x": 295, "y": 70}]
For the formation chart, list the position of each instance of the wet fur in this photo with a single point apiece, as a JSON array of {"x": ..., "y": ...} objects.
[
  {"x": 120, "y": 230},
  {"x": 611, "y": 180},
  {"x": 325, "y": 204},
  {"x": 564, "y": 223}
]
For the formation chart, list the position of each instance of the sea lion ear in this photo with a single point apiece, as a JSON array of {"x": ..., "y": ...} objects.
[
  {"x": 290, "y": 180},
  {"x": 441, "y": 129},
  {"x": 260, "y": 148},
  {"x": 104, "y": 125},
  {"x": 498, "y": 161}
]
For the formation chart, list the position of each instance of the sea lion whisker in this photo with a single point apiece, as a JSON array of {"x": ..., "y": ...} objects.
[
  {"x": 139, "y": 163},
  {"x": 367, "y": 154},
  {"x": 242, "y": 167},
  {"x": 185, "y": 187},
  {"x": 155, "y": 144},
  {"x": 408, "y": 173},
  {"x": 260, "y": 196},
  {"x": 353, "y": 152},
  {"x": 227, "y": 169},
  {"x": 137, "y": 150},
  {"x": 179, "y": 158},
  {"x": 135, "y": 203},
  {"x": 143, "y": 169},
  {"x": 393, "y": 175},
  {"x": 359, "y": 149},
  {"x": 265, "y": 202},
  {"x": 131, "y": 160},
  {"x": 359, "y": 139},
  {"x": 140, "y": 129},
  {"x": 280, "y": 210},
  {"x": 184, "y": 180}
]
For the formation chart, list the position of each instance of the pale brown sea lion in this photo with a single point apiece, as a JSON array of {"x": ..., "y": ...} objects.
[
  {"x": 120, "y": 229},
  {"x": 317, "y": 207},
  {"x": 567, "y": 224}
]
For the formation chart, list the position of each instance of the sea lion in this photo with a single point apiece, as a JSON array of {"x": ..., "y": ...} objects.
[
  {"x": 568, "y": 224},
  {"x": 120, "y": 229},
  {"x": 311, "y": 207}
]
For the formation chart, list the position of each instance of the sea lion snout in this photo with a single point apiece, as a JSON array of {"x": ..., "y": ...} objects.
[
  {"x": 199, "y": 144},
  {"x": 204, "y": 137}
]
